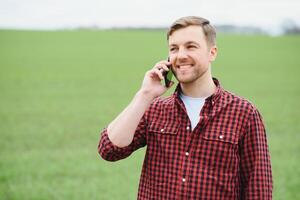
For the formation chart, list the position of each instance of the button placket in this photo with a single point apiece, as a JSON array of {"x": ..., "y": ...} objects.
[{"x": 186, "y": 153}]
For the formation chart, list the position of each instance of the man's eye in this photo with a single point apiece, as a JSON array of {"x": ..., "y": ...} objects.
[
  {"x": 191, "y": 47},
  {"x": 172, "y": 49}
]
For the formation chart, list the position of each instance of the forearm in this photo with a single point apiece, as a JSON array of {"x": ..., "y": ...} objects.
[{"x": 121, "y": 130}]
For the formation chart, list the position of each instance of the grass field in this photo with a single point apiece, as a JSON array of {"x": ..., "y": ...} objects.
[{"x": 59, "y": 89}]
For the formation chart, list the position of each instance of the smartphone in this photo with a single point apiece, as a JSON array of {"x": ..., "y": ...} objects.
[{"x": 168, "y": 75}]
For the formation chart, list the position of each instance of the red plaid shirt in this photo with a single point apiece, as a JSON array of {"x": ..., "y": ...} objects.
[{"x": 225, "y": 157}]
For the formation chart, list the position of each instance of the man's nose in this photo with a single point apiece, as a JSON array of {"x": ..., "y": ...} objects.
[{"x": 182, "y": 53}]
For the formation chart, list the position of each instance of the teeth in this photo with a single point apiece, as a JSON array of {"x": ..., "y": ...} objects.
[{"x": 183, "y": 66}]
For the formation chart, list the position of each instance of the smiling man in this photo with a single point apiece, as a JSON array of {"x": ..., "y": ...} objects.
[{"x": 203, "y": 142}]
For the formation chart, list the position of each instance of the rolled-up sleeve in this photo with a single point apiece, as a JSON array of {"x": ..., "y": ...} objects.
[
  {"x": 110, "y": 152},
  {"x": 256, "y": 173}
]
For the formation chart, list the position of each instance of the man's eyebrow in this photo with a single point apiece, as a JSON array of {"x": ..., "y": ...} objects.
[
  {"x": 170, "y": 45},
  {"x": 186, "y": 43},
  {"x": 192, "y": 42}
]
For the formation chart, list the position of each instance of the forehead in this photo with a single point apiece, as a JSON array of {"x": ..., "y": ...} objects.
[{"x": 190, "y": 33}]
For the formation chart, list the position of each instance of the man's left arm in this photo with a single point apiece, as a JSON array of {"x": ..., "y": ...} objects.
[{"x": 256, "y": 173}]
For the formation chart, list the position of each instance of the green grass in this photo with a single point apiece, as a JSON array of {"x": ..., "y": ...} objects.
[{"x": 59, "y": 89}]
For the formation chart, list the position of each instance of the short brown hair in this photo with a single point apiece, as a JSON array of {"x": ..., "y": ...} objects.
[{"x": 208, "y": 30}]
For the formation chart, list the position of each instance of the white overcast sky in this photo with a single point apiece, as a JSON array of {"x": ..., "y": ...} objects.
[{"x": 48, "y": 14}]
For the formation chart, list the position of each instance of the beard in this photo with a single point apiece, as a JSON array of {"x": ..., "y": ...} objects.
[{"x": 189, "y": 76}]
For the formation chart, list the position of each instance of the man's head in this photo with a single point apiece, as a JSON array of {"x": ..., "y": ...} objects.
[
  {"x": 208, "y": 30},
  {"x": 192, "y": 48}
]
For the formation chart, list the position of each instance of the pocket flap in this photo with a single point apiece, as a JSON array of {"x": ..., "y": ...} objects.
[
  {"x": 222, "y": 137},
  {"x": 163, "y": 128}
]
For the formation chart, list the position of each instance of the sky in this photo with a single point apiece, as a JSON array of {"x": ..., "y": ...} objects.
[{"x": 55, "y": 14}]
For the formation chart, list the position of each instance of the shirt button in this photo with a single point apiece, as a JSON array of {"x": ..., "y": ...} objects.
[
  {"x": 187, "y": 128},
  {"x": 162, "y": 130},
  {"x": 187, "y": 153},
  {"x": 183, "y": 179},
  {"x": 221, "y": 136}
]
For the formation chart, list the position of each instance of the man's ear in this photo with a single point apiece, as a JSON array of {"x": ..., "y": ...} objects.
[{"x": 213, "y": 53}]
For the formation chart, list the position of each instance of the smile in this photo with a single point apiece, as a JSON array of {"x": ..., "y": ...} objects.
[{"x": 184, "y": 66}]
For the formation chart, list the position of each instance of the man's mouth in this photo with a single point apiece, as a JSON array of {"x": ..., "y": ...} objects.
[{"x": 184, "y": 66}]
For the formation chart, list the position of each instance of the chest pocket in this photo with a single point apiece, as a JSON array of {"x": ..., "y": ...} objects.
[
  {"x": 219, "y": 151},
  {"x": 162, "y": 137}
]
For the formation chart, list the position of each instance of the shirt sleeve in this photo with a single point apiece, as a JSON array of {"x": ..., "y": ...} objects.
[
  {"x": 256, "y": 173},
  {"x": 110, "y": 152}
]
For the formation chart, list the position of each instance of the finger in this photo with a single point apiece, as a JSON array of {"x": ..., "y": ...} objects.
[
  {"x": 164, "y": 62},
  {"x": 163, "y": 66},
  {"x": 158, "y": 73}
]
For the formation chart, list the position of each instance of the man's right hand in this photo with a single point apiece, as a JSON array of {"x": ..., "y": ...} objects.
[
  {"x": 152, "y": 85},
  {"x": 121, "y": 130}
]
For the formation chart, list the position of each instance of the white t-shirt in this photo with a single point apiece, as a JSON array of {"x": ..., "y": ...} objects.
[{"x": 193, "y": 107}]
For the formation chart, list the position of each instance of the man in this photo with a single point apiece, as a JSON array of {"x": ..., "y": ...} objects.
[{"x": 203, "y": 142}]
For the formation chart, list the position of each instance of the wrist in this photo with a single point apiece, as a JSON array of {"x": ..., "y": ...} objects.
[{"x": 145, "y": 95}]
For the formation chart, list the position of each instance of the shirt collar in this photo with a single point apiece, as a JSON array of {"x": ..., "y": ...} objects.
[{"x": 213, "y": 98}]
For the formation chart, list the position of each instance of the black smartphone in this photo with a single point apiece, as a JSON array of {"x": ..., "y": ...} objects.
[{"x": 168, "y": 75}]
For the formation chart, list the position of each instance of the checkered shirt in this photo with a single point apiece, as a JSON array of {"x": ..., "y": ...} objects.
[{"x": 225, "y": 157}]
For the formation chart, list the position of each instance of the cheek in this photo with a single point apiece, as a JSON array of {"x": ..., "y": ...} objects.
[
  {"x": 199, "y": 55},
  {"x": 172, "y": 58},
  {"x": 204, "y": 57}
]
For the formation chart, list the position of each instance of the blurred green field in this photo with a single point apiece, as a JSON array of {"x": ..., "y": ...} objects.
[{"x": 59, "y": 89}]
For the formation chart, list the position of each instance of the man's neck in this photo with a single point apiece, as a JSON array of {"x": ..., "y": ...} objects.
[{"x": 202, "y": 87}]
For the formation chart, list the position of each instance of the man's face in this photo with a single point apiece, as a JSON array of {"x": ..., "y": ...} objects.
[{"x": 189, "y": 54}]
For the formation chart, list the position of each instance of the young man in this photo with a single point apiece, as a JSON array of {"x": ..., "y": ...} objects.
[{"x": 202, "y": 142}]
